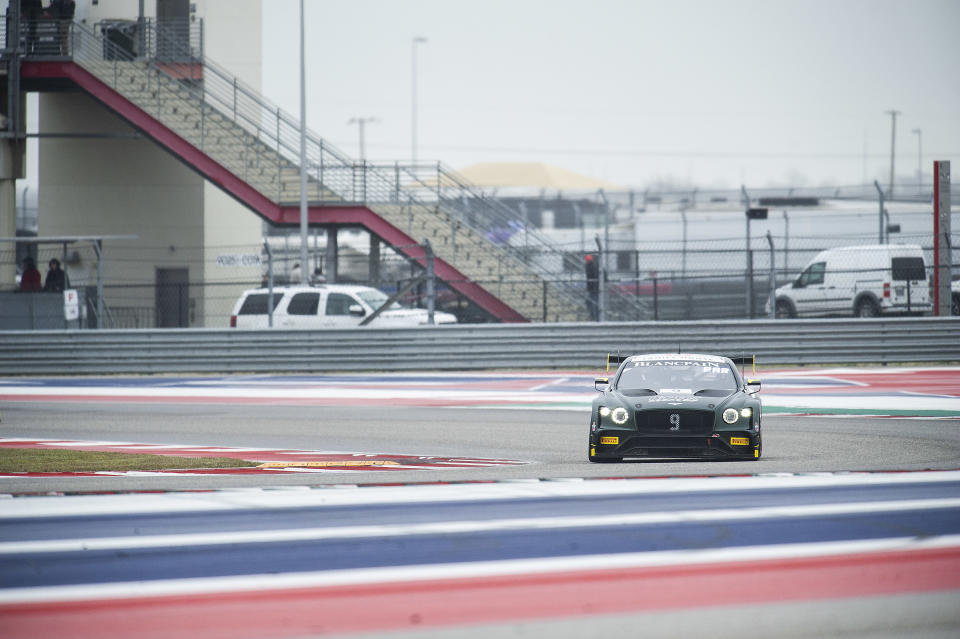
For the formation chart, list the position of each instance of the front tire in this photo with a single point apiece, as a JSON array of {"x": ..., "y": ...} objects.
[
  {"x": 785, "y": 310},
  {"x": 867, "y": 308}
]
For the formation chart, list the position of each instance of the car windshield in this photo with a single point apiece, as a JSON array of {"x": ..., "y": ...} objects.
[
  {"x": 675, "y": 376},
  {"x": 375, "y": 299}
]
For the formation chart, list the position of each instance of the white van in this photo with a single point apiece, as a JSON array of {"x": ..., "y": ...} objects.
[
  {"x": 325, "y": 306},
  {"x": 865, "y": 281}
]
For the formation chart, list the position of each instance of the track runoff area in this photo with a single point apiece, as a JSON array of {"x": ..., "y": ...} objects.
[
  {"x": 870, "y": 553},
  {"x": 931, "y": 393}
]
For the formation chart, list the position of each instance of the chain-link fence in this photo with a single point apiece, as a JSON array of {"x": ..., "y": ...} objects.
[
  {"x": 863, "y": 280},
  {"x": 696, "y": 279}
]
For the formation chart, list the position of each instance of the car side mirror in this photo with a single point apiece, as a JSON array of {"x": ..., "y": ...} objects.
[
  {"x": 356, "y": 310},
  {"x": 753, "y": 386},
  {"x": 797, "y": 284},
  {"x": 602, "y": 384}
]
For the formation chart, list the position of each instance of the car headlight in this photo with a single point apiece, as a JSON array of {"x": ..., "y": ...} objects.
[
  {"x": 746, "y": 413},
  {"x": 730, "y": 415},
  {"x": 604, "y": 411},
  {"x": 619, "y": 415}
]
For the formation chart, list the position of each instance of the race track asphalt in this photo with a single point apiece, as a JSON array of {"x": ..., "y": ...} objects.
[{"x": 552, "y": 441}]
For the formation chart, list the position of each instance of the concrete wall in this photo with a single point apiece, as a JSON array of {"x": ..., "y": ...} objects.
[
  {"x": 116, "y": 186},
  {"x": 110, "y": 186},
  {"x": 12, "y": 168},
  {"x": 232, "y": 38}
]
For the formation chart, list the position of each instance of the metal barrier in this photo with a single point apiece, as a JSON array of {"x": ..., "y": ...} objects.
[{"x": 462, "y": 347}]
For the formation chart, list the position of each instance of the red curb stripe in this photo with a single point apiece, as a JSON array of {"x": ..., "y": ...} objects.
[{"x": 436, "y": 603}]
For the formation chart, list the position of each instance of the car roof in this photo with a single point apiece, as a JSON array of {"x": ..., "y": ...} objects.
[
  {"x": 333, "y": 288},
  {"x": 874, "y": 248},
  {"x": 678, "y": 357}
]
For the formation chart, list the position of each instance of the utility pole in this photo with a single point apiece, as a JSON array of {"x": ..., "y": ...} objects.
[
  {"x": 893, "y": 145},
  {"x": 919, "y": 135},
  {"x": 413, "y": 97},
  {"x": 361, "y": 123},
  {"x": 304, "y": 214}
]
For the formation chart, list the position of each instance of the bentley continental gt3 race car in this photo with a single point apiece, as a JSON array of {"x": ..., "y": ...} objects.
[{"x": 675, "y": 405}]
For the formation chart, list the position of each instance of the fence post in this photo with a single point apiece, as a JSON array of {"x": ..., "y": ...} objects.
[
  {"x": 431, "y": 283},
  {"x": 453, "y": 239},
  {"x": 773, "y": 280},
  {"x": 279, "y": 158},
  {"x": 544, "y": 301},
  {"x": 656, "y": 301},
  {"x": 636, "y": 275},
  {"x": 499, "y": 278},
  {"x": 320, "y": 172},
  {"x": 396, "y": 181},
  {"x": 602, "y": 281},
  {"x": 266, "y": 245},
  {"x": 879, "y": 213},
  {"x": 98, "y": 247}
]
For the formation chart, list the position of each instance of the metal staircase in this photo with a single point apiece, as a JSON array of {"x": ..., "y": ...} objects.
[{"x": 259, "y": 144}]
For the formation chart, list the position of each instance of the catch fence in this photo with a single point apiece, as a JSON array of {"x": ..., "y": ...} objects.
[{"x": 706, "y": 280}]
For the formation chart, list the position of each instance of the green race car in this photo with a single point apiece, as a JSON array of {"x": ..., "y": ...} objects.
[{"x": 678, "y": 406}]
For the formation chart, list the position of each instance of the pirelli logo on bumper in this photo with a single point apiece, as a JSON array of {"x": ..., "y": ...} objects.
[
  {"x": 739, "y": 441},
  {"x": 609, "y": 440}
]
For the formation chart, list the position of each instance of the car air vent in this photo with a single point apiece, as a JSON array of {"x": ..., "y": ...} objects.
[
  {"x": 637, "y": 392},
  {"x": 713, "y": 392}
]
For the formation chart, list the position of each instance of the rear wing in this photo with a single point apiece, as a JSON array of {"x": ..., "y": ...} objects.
[
  {"x": 744, "y": 360},
  {"x": 615, "y": 360},
  {"x": 741, "y": 360}
]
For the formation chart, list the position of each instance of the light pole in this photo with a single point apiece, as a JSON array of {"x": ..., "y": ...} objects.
[
  {"x": 919, "y": 159},
  {"x": 304, "y": 274},
  {"x": 413, "y": 96},
  {"x": 361, "y": 123},
  {"x": 893, "y": 144}
]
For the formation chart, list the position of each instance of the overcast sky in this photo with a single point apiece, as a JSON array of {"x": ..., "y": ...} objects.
[{"x": 703, "y": 92}]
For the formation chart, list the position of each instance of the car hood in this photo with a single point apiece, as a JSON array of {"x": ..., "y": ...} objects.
[{"x": 677, "y": 398}]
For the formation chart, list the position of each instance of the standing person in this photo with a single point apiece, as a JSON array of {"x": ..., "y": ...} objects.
[
  {"x": 30, "y": 280},
  {"x": 63, "y": 11},
  {"x": 30, "y": 12},
  {"x": 56, "y": 280},
  {"x": 592, "y": 272}
]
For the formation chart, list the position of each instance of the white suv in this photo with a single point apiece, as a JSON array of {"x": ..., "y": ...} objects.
[{"x": 325, "y": 306}]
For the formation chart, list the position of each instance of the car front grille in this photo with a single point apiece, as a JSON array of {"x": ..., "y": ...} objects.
[{"x": 680, "y": 422}]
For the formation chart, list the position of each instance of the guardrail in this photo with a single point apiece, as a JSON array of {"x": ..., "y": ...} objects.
[{"x": 481, "y": 346}]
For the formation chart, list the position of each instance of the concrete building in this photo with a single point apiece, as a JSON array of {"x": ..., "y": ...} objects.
[{"x": 98, "y": 176}]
